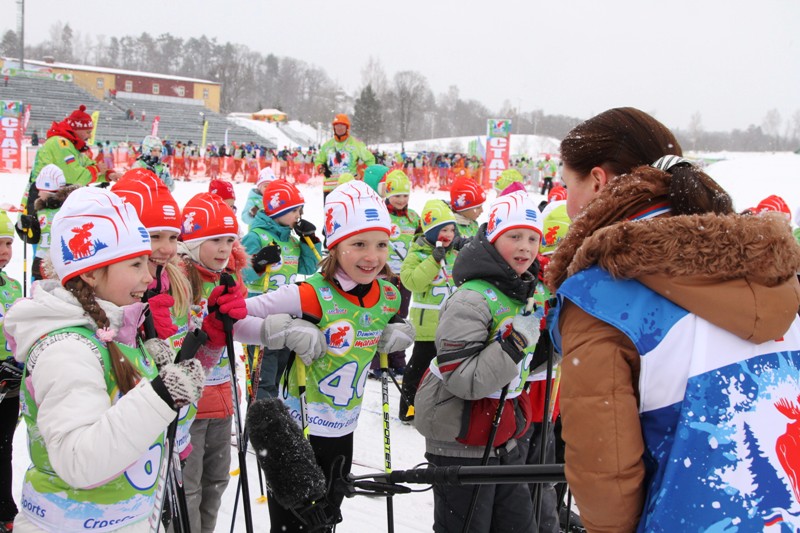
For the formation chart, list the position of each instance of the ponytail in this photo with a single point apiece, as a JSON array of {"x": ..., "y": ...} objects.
[{"x": 693, "y": 192}]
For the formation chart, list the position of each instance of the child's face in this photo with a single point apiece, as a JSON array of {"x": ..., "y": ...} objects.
[
  {"x": 473, "y": 212},
  {"x": 518, "y": 247},
  {"x": 165, "y": 246},
  {"x": 363, "y": 256},
  {"x": 399, "y": 201},
  {"x": 155, "y": 152},
  {"x": 290, "y": 218},
  {"x": 214, "y": 253},
  {"x": 121, "y": 283},
  {"x": 447, "y": 234},
  {"x": 262, "y": 187},
  {"x": 6, "y": 251}
]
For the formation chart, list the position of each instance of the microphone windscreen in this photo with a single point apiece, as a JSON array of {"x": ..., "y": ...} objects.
[{"x": 288, "y": 461}]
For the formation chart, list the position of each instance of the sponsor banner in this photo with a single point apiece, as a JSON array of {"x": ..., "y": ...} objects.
[
  {"x": 10, "y": 135},
  {"x": 498, "y": 140}
]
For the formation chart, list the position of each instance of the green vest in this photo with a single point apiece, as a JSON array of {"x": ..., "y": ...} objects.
[
  {"x": 220, "y": 373},
  {"x": 282, "y": 273},
  {"x": 402, "y": 233},
  {"x": 468, "y": 230},
  {"x": 425, "y": 306},
  {"x": 10, "y": 292},
  {"x": 49, "y": 501},
  {"x": 335, "y": 382},
  {"x": 187, "y": 413},
  {"x": 45, "y": 221},
  {"x": 503, "y": 310}
]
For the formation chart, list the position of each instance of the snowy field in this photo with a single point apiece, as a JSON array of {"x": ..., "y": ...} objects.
[{"x": 749, "y": 177}]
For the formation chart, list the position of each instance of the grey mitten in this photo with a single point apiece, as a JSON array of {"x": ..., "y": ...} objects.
[
  {"x": 184, "y": 381},
  {"x": 524, "y": 333},
  {"x": 160, "y": 351},
  {"x": 396, "y": 337},
  {"x": 439, "y": 253},
  {"x": 298, "y": 335}
]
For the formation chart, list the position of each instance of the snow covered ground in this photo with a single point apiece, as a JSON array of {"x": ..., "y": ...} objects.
[{"x": 749, "y": 177}]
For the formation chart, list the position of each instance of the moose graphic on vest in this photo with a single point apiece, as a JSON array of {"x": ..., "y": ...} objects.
[
  {"x": 338, "y": 339},
  {"x": 80, "y": 246},
  {"x": 787, "y": 445}
]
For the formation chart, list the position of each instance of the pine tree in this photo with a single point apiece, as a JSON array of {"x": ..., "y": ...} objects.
[
  {"x": 367, "y": 121},
  {"x": 764, "y": 475}
]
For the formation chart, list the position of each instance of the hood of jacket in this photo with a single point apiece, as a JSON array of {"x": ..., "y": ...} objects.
[
  {"x": 265, "y": 222},
  {"x": 479, "y": 259},
  {"x": 51, "y": 307},
  {"x": 62, "y": 129},
  {"x": 736, "y": 271}
]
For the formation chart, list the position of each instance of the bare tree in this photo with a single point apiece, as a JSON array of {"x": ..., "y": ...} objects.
[
  {"x": 374, "y": 75},
  {"x": 695, "y": 128},
  {"x": 410, "y": 93}
]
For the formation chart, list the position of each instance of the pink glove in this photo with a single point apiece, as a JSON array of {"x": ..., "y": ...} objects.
[
  {"x": 213, "y": 327},
  {"x": 162, "y": 319},
  {"x": 228, "y": 303}
]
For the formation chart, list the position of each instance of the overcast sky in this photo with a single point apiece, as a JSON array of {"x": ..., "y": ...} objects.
[{"x": 729, "y": 60}]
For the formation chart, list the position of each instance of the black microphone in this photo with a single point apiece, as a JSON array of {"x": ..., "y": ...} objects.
[{"x": 292, "y": 473}]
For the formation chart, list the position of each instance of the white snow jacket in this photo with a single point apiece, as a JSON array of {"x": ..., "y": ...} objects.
[{"x": 88, "y": 440}]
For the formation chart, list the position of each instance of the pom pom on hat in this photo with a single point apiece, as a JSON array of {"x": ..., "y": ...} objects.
[
  {"x": 555, "y": 225},
  {"x": 434, "y": 216},
  {"x": 206, "y": 216},
  {"x": 506, "y": 178},
  {"x": 80, "y": 120},
  {"x": 265, "y": 176},
  {"x": 396, "y": 182},
  {"x": 465, "y": 193},
  {"x": 95, "y": 228},
  {"x": 773, "y": 203},
  {"x": 50, "y": 178},
  {"x": 557, "y": 194},
  {"x": 514, "y": 187},
  {"x": 6, "y": 226},
  {"x": 353, "y": 208},
  {"x": 155, "y": 205},
  {"x": 222, "y": 188},
  {"x": 280, "y": 197},
  {"x": 515, "y": 210},
  {"x": 341, "y": 118}
]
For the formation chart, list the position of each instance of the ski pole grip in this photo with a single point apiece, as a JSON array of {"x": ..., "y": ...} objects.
[{"x": 227, "y": 281}]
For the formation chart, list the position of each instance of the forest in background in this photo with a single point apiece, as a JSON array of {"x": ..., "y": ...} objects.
[{"x": 386, "y": 108}]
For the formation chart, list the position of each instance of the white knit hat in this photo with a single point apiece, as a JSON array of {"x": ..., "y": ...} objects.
[
  {"x": 515, "y": 210},
  {"x": 353, "y": 208},
  {"x": 265, "y": 176},
  {"x": 50, "y": 178},
  {"x": 95, "y": 228}
]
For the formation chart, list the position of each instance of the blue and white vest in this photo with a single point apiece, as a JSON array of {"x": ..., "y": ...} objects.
[{"x": 720, "y": 415}]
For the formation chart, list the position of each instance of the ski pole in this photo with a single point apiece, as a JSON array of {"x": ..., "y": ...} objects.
[
  {"x": 387, "y": 443},
  {"x": 486, "y": 452},
  {"x": 301, "y": 387},
  {"x": 537, "y": 503},
  {"x": 443, "y": 262},
  {"x": 228, "y": 281},
  {"x": 313, "y": 248}
]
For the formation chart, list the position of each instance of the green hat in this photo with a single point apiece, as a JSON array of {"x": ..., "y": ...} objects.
[
  {"x": 436, "y": 214},
  {"x": 6, "y": 226},
  {"x": 507, "y": 177},
  {"x": 344, "y": 177},
  {"x": 396, "y": 182},
  {"x": 556, "y": 223},
  {"x": 373, "y": 176}
]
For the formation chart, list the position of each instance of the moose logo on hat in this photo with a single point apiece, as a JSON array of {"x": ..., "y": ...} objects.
[
  {"x": 461, "y": 200},
  {"x": 80, "y": 245},
  {"x": 189, "y": 225},
  {"x": 275, "y": 201}
]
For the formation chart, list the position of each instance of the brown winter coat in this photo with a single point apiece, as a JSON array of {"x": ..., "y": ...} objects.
[{"x": 737, "y": 272}]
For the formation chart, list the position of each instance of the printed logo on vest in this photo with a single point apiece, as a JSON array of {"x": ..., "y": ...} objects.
[{"x": 339, "y": 337}]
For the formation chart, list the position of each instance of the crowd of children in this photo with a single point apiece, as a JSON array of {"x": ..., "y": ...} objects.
[{"x": 126, "y": 278}]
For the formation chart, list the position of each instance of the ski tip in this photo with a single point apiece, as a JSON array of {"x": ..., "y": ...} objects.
[
  {"x": 235, "y": 472},
  {"x": 261, "y": 499}
]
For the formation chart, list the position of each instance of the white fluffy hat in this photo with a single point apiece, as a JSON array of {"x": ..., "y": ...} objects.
[
  {"x": 515, "y": 210},
  {"x": 353, "y": 208},
  {"x": 50, "y": 178},
  {"x": 95, "y": 228}
]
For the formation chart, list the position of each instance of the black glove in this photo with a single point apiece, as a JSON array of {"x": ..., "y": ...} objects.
[
  {"x": 438, "y": 253},
  {"x": 253, "y": 211},
  {"x": 304, "y": 228},
  {"x": 268, "y": 255},
  {"x": 28, "y": 229},
  {"x": 10, "y": 377}
]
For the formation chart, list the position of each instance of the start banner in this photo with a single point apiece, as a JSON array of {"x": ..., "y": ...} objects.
[
  {"x": 10, "y": 135},
  {"x": 498, "y": 142}
]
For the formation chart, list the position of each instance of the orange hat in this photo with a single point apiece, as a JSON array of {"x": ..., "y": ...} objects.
[
  {"x": 341, "y": 118},
  {"x": 773, "y": 203},
  {"x": 151, "y": 199},
  {"x": 80, "y": 120},
  {"x": 206, "y": 216},
  {"x": 280, "y": 197},
  {"x": 465, "y": 193},
  {"x": 557, "y": 194}
]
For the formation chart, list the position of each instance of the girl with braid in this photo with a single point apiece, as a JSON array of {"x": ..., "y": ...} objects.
[{"x": 97, "y": 401}]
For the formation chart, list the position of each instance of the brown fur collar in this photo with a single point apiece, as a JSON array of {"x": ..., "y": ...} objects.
[{"x": 761, "y": 248}]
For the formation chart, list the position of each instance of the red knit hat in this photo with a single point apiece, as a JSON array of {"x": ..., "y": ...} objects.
[
  {"x": 80, "y": 120},
  {"x": 280, "y": 197},
  {"x": 773, "y": 203},
  {"x": 223, "y": 189},
  {"x": 557, "y": 194},
  {"x": 465, "y": 193},
  {"x": 151, "y": 199},
  {"x": 206, "y": 216}
]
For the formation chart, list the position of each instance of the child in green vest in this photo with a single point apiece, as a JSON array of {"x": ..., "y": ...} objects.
[
  {"x": 348, "y": 313},
  {"x": 484, "y": 345},
  {"x": 10, "y": 375},
  {"x": 396, "y": 189},
  {"x": 278, "y": 256},
  {"x": 53, "y": 190},
  {"x": 96, "y": 401},
  {"x": 466, "y": 201},
  {"x": 427, "y": 273},
  {"x": 255, "y": 198}
]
